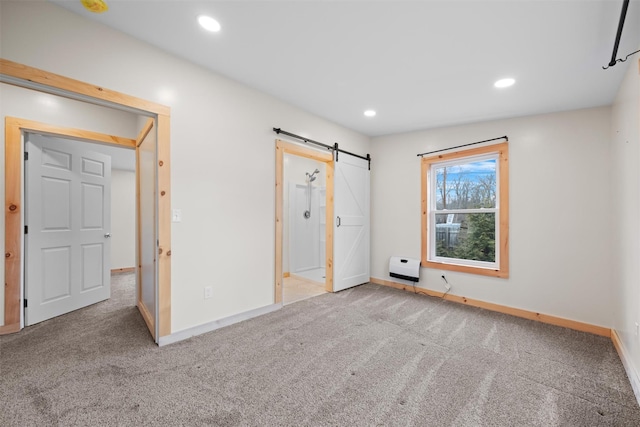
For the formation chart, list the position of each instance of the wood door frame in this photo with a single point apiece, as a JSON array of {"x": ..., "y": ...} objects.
[
  {"x": 144, "y": 310},
  {"x": 282, "y": 148},
  {"x": 29, "y": 77}
]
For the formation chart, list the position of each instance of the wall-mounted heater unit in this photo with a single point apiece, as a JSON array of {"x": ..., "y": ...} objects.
[{"x": 404, "y": 268}]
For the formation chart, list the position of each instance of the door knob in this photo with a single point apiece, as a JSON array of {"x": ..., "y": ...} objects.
[{"x": 107, "y": 235}]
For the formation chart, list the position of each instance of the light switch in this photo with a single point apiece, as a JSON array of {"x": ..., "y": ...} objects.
[{"x": 177, "y": 215}]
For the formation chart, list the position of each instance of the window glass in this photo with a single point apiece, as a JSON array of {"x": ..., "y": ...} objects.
[
  {"x": 466, "y": 186},
  {"x": 466, "y": 211},
  {"x": 467, "y": 237}
]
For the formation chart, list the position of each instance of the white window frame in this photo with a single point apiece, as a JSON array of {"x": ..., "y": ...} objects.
[
  {"x": 433, "y": 211},
  {"x": 500, "y": 266}
]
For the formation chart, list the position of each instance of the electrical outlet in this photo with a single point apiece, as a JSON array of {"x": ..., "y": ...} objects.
[
  {"x": 446, "y": 282},
  {"x": 637, "y": 329},
  {"x": 208, "y": 292}
]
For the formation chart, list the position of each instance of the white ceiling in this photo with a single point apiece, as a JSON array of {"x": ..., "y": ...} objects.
[{"x": 419, "y": 64}]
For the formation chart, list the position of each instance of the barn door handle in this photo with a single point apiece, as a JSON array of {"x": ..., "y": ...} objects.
[
  {"x": 338, "y": 222},
  {"x": 107, "y": 235}
]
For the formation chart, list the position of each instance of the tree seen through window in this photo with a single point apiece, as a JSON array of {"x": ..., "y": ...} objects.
[{"x": 466, "y": 186}]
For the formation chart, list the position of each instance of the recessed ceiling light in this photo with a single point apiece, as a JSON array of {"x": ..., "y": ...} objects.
[
  {"x": 504, "y": 83},
  {"x": 369, "y": 113},
  {"x": 208, "y": 23}
]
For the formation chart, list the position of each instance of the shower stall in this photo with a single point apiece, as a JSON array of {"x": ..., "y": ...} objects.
[{"x": 306, "y": 220}]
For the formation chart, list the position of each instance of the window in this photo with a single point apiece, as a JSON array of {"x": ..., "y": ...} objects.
[{"x": 465, "y": 211}]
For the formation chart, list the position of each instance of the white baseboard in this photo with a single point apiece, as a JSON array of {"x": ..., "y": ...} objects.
[
  {"x": 216, "y": 324},
  {"x": 625, "y": 357}
]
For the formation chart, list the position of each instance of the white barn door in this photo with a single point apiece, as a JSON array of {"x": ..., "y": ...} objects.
[
  {"x": 351, "y": 225},
  {"x": 68, "y": 215}
]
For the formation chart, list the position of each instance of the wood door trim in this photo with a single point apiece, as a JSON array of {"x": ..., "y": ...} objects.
[
  {"x": 12, "y": 222},
  {"x": 72, "y": 133},
  {"x": 144, "y": 131},
  {"x": 329, "y": 169},
  {"x": 10, "y": 329},
  {"x": 142, "y": 308},
  {"x": 138, "y": 234},
  {"x": 56, "y": 81},
  {"x": 283, "y": 147},
  {"x": 164, "y": 226},
  {"x": 123, "y": 270},
  {"x": 148, "y": 319}
]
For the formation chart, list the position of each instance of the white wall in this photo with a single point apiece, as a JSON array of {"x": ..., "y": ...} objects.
[
  {"x": 560, "y": 226},
  {"x": 625, "y": 206},
  {"x": 123, "y": 219},
  {"x": 222, "y": 151}
]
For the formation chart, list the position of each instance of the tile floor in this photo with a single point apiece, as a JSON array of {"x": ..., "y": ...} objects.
[
  {"x": 315, "y": 275},
  {"x": 297, "y": 288}
]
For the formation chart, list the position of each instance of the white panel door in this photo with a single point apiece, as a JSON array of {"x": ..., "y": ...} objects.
[
  {"x": 351, "y": 225},
  {"x": 68, "y": 215}
]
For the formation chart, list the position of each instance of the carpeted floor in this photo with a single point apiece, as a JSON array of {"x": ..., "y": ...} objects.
[{"x": 362, "y": 357}]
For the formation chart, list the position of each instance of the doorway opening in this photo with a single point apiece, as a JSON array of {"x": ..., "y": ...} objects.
[
  {"x": 152, "y": 193},
  {"x": 304, "y": 222},
  {"x": 78, "y": 273},
  {"x": 304, "y": 228}
]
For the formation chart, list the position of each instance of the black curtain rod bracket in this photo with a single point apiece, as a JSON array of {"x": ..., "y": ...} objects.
[{"x": 464, "y": 145}]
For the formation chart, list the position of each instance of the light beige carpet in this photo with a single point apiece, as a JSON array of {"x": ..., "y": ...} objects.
[{"x": 362, "y": 357}]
